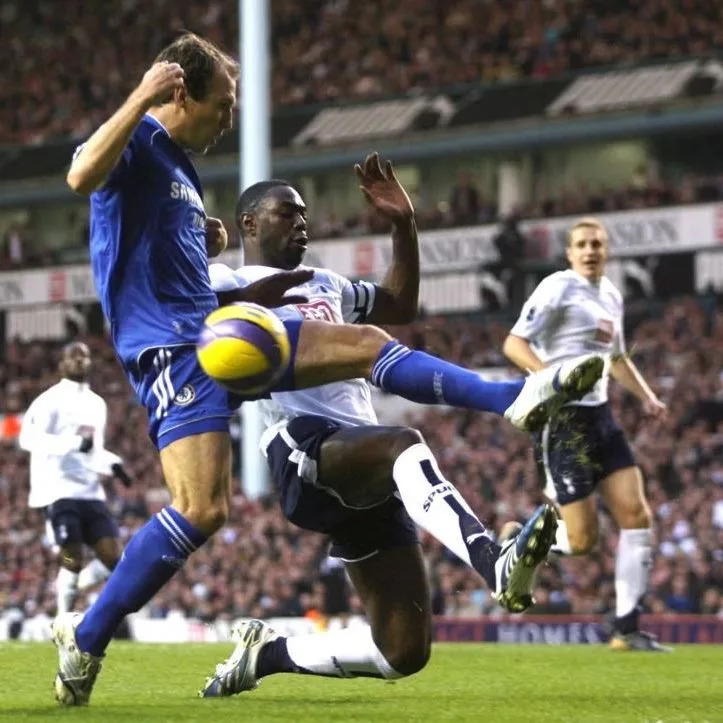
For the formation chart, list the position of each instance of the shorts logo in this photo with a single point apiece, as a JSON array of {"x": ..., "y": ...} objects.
[{"x": 185, "y": 395}]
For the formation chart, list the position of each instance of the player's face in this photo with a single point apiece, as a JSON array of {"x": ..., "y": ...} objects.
[
  {"x": 75, "y": 363},
  {"x": 281, "y": 228},
  {"x": 207, "y": 120},
  {"x": 588, "y": 251}
]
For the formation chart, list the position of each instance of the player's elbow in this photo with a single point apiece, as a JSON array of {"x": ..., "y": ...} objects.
[{"x": 78, "y": 181}]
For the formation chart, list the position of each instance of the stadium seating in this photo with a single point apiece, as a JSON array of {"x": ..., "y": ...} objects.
[{"x": 259, "y": 564}]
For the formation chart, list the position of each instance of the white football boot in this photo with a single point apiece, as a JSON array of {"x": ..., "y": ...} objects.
[
  {"x": 547, "y": 390},
  {"x": 238, "y": 672},
  {"x": 77, "y": 670}
]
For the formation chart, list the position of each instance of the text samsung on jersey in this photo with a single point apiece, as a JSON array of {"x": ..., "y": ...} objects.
[{"x": 186, "y": 193}]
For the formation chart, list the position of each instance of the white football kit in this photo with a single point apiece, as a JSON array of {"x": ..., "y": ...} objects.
[
  {"x": 566, "y": 316},
  {"x": 332, "y": 298},
  {"x": 50, "y": 431}
]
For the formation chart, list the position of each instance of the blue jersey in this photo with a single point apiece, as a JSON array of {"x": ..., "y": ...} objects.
[{"x": 148, "y": 246}]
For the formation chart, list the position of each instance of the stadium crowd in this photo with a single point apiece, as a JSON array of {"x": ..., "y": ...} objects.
[
  {"x": 465, "y": 205},
  {"x": 261, "y": 565},
  {"x": 63, "y": 83}
]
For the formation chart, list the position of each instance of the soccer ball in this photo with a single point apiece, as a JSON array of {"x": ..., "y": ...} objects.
[{"x": 243, "y": 347}]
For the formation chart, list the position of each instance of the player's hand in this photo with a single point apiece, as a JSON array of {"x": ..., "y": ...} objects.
[
  {"x": 216, "y": 237},
  {"x": 159, "y": 83},
  {"x": 382, "y": 189},
  {"x": 655, "y": 409},
  {"x": 270, "y": 291},
  {"x": 119, "y": 472}
]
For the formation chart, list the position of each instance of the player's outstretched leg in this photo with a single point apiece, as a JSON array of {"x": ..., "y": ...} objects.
[
  {"x": 77, "y": 670},
  {"x": 520, "y": 557},
  {"x": 429, "y": 380}
]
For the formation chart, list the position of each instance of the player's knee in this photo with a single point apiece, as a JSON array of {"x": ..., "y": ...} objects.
[
  {"x": 208, "y": 518},
  {"x": 403, "y": 438},
  {"x": 370, "y": 342},
  {"x": 635, "y": 515},
  {"x": 582, "y": 540},
  {"x": 409, "y": 657}
]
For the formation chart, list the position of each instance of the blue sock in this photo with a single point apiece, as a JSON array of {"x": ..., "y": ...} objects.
[
  {"x": 154, "y": 555},
  {"x": 426, "y": 379}
]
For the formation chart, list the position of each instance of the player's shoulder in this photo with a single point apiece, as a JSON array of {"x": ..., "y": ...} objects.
[
  {"x": 607, "y": 287},
  {"x": 327, "y": 277},
  {"x": 557, "y": 283}
]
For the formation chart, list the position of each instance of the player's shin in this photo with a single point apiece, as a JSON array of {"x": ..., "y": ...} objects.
[
  {"x": 347, "y": 653},
  {"x": 632, "y": 573},
  {"x": 153, "y": 556},
  {"x": 436, "y": 506},
  {"x": 426, "y": 379},
  {"x": 66, "y": 587}
]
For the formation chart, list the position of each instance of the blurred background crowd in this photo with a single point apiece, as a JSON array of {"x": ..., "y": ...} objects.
[
  {"x": 261, "y": 565},
  {"x": 464, "y": 206},
  {"x": 64, "y": 82}
]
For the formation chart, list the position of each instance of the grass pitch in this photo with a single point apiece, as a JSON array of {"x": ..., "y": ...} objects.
[{"x": 463, "y": 682}]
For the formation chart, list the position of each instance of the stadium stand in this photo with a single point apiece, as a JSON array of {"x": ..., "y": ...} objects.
[
  {"x": 63, "y": 83},
  {"x": 260, "y": 565}
]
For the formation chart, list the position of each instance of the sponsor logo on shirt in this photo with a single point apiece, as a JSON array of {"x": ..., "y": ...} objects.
[
  {"x": 319, "y": 310},
  {"x": 604, "y": 332}
]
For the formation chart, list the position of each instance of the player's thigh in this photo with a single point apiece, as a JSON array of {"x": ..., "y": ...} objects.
[
  {"x": 327, "y": 352},
  {"x": 357, "y": 462},
  {"x": 66, "y": 521},
  {"x": 197, "y": 470},
  {"x": 394, "y": 589},
  {"x": 623, "y": 493}
]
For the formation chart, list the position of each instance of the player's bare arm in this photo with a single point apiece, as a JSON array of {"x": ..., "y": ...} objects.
[
  {"x": 99, "y": 155},
  {"x": 397, "y": 299},
  {"x": 624, "y": 371},
  {"x": 519, "y": 352}
]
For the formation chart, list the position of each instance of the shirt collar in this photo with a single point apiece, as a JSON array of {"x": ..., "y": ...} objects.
[
  {"x": 74, "y": 386},
  {"x": 148, "y": 118}
]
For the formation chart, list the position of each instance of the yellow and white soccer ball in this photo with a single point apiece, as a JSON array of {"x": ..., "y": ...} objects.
[{"x": 244, "y": 347}]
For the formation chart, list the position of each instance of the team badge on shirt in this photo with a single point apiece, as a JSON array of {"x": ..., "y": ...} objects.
[{"x": 186, "y": 394}]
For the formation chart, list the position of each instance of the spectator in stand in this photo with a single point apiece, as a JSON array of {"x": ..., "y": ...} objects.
[{"x": 465, "y": 201}]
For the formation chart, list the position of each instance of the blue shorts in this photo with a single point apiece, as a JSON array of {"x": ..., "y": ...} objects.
[
  {"x": 181, "y": 400},
  {"x": 293, "y": 456},
  {"x": 577, "y": 449},
  {"x": 80, "y": 521}
]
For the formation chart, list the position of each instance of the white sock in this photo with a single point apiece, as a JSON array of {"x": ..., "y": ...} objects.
[
  {"x": 431, "y": 500},
  {"x": 93, "y": 573},
  {"x": 343, "y": 653},
  {"x": 66, "y": 588},
  {"x": 561, "y": 545},
  {"x": 632, "y": 568}
]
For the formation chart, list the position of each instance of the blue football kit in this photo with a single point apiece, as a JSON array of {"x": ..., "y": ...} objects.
[{"x": 150, "y": 267}]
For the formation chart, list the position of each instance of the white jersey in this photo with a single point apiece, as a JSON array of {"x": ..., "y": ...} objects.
[
  {"x": 331, "y": 298},
  {"x": 51, "y": 432},
  {"x": 566, "y": 316}
]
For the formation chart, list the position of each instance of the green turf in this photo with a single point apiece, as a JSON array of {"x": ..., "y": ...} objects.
[{"x": 463, "y": 682}]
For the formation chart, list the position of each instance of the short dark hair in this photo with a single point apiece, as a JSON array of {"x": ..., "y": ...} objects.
[
  {"x": 199, "y": 59},
  {"x": 252, "y": 196}
]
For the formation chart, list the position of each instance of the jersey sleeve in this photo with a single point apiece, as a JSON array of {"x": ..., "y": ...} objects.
[
  {"x": 538, "y": 309},
  {"x": 357, "y": 299},
  {"x": 121, "y": 168}
]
